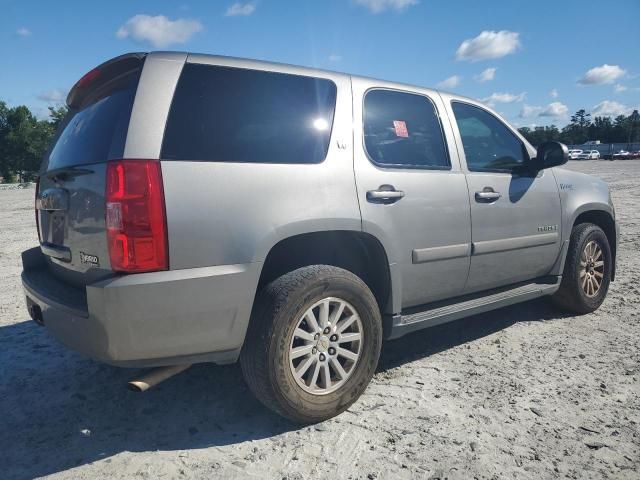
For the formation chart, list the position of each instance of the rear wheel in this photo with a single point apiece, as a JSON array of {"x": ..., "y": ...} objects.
[
  {"x": 313, "y": 343},
  {"x": 587, "y": 270}
]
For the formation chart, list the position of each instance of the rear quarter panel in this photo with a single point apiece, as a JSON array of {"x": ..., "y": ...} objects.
[{"x": 233, "y": 213}]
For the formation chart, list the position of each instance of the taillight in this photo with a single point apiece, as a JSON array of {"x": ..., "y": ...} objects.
[
  {"x": 35, "y": 207},
  {"x": 135, "y": 216}
]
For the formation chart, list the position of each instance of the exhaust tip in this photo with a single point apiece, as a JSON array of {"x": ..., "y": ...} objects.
[
  {"x": 154, "y": 377},
  {"x": 137, "y": 386}
]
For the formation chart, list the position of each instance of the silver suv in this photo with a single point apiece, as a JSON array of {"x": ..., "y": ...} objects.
[{"x": 196, "y": 208}]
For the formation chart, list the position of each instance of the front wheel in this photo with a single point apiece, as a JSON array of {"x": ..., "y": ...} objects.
[
  {"x": 313, "y": 343},
  {"x": 587, "y": 270}
]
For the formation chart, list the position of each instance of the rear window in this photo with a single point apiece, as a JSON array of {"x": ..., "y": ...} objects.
[
  {"x": 96, "y": 131},
  {"x": 223, "y": 114}
]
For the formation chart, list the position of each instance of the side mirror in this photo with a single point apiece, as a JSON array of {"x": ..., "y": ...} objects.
[{"x": 551, "y": 154}]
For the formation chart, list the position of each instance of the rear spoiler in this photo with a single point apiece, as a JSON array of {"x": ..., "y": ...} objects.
[{"x": 103, "y": 74}]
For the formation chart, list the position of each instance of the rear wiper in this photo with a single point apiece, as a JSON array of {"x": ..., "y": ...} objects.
[{"x": 66, "y": 173}]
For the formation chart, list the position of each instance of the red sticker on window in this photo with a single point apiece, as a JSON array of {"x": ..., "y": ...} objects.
[{"x": 401, "y": 128}]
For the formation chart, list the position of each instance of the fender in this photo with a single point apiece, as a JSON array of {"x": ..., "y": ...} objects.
[{"x": 579, "y": 194}]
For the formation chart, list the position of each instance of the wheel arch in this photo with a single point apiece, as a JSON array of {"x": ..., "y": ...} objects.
[
  {"x": 603, "y": 219},
  {"x": 358, "y": 252}
]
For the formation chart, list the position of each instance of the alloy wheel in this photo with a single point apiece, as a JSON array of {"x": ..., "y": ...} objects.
[
  {"x": 326, "y": 346},
  {"x": 591, "y": 269}
]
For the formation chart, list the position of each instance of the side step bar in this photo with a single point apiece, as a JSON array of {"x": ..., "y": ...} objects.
[{"x": 469, "y": 305}]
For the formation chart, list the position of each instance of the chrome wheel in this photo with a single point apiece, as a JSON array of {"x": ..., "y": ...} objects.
[
  {"x": 591, "y": 269},
  {"x": 325, "y": 346}
]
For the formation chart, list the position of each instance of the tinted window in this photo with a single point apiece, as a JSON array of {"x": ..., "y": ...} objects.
[
  {"x": 96, "y": 132},
  {"x": 403, "y": 130},
  {"x": 488, "y": 143},
  {"x": 225, "y": 114}
]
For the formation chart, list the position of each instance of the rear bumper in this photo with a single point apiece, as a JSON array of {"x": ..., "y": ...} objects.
[{"x": 149, "y": 319}]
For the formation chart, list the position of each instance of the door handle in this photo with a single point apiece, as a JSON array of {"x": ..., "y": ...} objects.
[
  {"x": 487, "y": 195},
  {"x": 384, "y": 194}
]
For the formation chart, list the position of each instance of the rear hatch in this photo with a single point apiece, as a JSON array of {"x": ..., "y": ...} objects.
[{"x": 70, "y": 199}]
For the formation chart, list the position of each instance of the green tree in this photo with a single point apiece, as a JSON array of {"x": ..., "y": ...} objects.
[
  {"x": 5, "y": 170},
  {"x": 620, "y": 128},
  {"x": 57, "y": 114},
  {"x": 540, "y": 134},
  {"x": 24, "y": 139},
  {"x": 581, "y": 119},
  {"x": 601, "y": 129},
  {"x": 578, "y": 130},
  {"x": 633, "y": 126}
]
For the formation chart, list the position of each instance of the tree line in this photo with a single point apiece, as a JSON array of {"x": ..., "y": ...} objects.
[
  {"x": 24, "y": 139},
  {"x": 581, "y": 129}
]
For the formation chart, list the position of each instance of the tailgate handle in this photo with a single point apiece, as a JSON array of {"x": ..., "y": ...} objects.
[
  {"x": 53, "y": 200},
  {"x": 61, "y": 253}
]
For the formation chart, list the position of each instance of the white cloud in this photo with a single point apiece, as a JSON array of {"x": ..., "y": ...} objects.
[
  {"x": 604, "y": 74},
  {"x": 503, "y": 98},
  {"x": 489, "y": 44},
  {"x": 159, "y": 31},
  {"x": 619, "y": 88},
  {"x": 335, "y": 57},
  {"x": 23, "y": 32},
  {"x": 553, "y": 93},
  {"x": 53, "y": 96},
  {"x": 451, "y": 82},
  {"x": 529, "y": 111},
  {"x": 377, "y": 6},
  {"x": 240, "y": 9},
  {"x": 609, "y": 108},
  {"x": 486, "y": 75},
  {"x": 554, "y": 109}
]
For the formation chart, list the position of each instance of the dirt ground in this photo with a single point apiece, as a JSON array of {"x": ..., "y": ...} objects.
[{"x": 521, "y": 392}]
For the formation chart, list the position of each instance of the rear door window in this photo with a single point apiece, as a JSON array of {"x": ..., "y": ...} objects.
[
  {"x": 223, "y": 114},
  {"x": 403, "y": 130}
]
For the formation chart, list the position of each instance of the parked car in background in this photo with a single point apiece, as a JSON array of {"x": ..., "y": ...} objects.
[
  {"x": 621, "y": 155},
  {"x": 196, "y": 208},
  {"x": 573, "y": 154},
  {"x": 589, "y": 155}
]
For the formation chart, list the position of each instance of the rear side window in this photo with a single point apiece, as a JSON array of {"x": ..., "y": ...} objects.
[
  {"x": 96, "y": 131},
  {"x": 223, "y": 114},
  {"x": 488, "y": 143},
  {"x": 403, "y": 130}
]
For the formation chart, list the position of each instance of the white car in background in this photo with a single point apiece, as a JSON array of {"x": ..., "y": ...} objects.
[
  {"x": 589, "y": 155},
  {"x": 573, "y": 154}
]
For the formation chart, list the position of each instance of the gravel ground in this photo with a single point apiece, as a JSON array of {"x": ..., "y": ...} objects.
[{"x": 521, "y": 392}]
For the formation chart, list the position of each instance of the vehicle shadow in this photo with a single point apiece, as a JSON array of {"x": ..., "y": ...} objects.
[
  {"x": 433, "y": 340},
  {"x": 59, "y": 410}
]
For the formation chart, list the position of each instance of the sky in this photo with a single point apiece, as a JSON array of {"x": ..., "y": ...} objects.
[{"x": 535, "y": 62}]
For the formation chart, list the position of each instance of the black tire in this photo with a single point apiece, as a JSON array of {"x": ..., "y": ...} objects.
[
  {"x": 571, "y": 295},
  {"x": 265, "y": 354}
]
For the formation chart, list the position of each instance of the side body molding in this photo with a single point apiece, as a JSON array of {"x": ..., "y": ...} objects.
[
  {"x": 516, "y": 243},
  {"x": 422, "y": 255}
]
